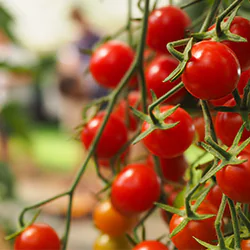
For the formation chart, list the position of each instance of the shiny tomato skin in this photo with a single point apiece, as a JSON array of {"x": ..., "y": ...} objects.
[
  {"x": 212, "y": 72},
  {"x": 106, "y": 242},
  {"x": 132, "y": 100},
  {"x": 244, "y": 78},
  {"x": 173, "y": 169},
  {"x": 234, "y": 180},
  {"x": 245, "y": 244},
  {"x": 201, "y": 229},
  {"x": 174, "y": 141},
  {"x": 241, "y": 26},
  {"x": 150, "y": 245},
  {"x": 166, "y": 24},
  {"x": 110, "y": 61},
  {"x": 156, "y": 72},
  {"x": 110, "y": 221},
  {"x": 135, "y": 189},
  {"x": 114, "y": 136},
  {"x": 38, "y": 236},
  {"x": 227, "y": 124}
]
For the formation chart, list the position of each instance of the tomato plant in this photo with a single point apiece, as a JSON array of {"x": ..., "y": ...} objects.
[
  {"x": 38, "y": 236},
  {"x": 212, "y": 72},
  {"x": 174, "y": 141},
  {"x": 233, "y": 180},
  {"x": 110, "y": 62},
  {"x": 110, "y": 221},
  {"x": 201, "y": 229},
  {"x": 150, "y": 245},
  {"x": 159, "y": 69},
  {"x": 114, "y": 136},
  {"x": 169, "y": 18},
  {"x": 135, "y": 189}
]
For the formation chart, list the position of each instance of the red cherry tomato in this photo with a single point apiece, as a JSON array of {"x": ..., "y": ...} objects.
[
  {"x": 38, "y": 236},
  {"x": 227, "y": 125},
  {"x": 135, "y": 189},
  {"x": 214, "y": 197},
  {"x": 201, "y": 229},
  {"x": 110, "y": 62},
  {"x": 112, "y": 139},
  {"x": 174, "y": 141},
  {"x": 245, "y": 245},
  {"x": 234, "y": 180},
  {"x": 150, "y": 245},
  {"x": 110, "y": 221},
  {"x": 240, "y": 26},
  {"x": 212, "y": 72},
  {"x": 166, "y": 24},
  {"x": 121, "y": 109},
  {"x": 157, "y": 71},
  {"x": 173, "y": 169},
  {"x": 244, "y": 78}
]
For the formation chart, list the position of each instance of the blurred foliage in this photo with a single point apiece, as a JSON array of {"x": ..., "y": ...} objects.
[{"x": 6, "y": 182}]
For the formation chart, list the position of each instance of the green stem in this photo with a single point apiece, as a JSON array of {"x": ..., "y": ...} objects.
[
  {"x": 244, "y": 104},
  {"x": 190, "y": 4},
  {"x": 217, "y": 222},
  {"x": 235, "y": 224},
  {"x": 189, "y": 195},
  {"x": 130, "y": 37},
  {"x": 244, "y": 218}
]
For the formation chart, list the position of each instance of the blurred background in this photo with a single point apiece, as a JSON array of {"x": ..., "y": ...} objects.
[{"x": 43, "y": 87}]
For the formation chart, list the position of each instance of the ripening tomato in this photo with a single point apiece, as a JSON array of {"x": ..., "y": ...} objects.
[
  {"x": 214, "y": 197},
  {"x": 133, "y": 99},
  {"x": 135, "y": 189},
  {"x": 106, "y": 242},
  {"x": 234, "y": 180},
  {"x": 201, "y": 229},
  {"x": 240, "y": 26},
  {"x": 38, "y": 236},
  {"x": 173, "y": 169},
  {"x": 110, "y": 221},
  {"x": 156, "y": 72},
  {"x": 174, "y": 141},
  {"x": 244, "y": 78},
  {"x": 245, "y": 244},
  {"x": 227, "y": 124},
  {"x": 166, "y": 24},
  {"x": 114, "y": 136},
  {"x": 150, "y": 245},
  {"x": 213, "y": 71},
  {"x": 110, "y": 62}
]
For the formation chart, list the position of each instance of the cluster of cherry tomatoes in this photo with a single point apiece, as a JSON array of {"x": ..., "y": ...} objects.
[{"x": 214, "y": 70}]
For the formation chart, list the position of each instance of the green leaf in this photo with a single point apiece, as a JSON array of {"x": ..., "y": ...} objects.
[
  {"x": 179, "y": 227},
  {"x": 170, "y": 209},
  {"x": 144, "y": 134},
  {"x": 207, "y": 245}
]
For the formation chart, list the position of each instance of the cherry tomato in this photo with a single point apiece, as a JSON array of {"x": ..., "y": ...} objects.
[
  {"x": 227, "y": 124},
  {"x": 240, "y": 26},
  {"x": 150, "y": 245},
  {"x": 121, "y": 109},
  {"x": 201, "y": 229},
  {"x": 174, "y": 141},
  {"x": 110, "y": 62},
  {"x": 105, "y": 242},
  {"x": 166, "y": 24},
  {"x": 212, "y": 72},
  {"x": 38, "y": 236},
  {"x": 214, "y": 197},
  {"x": 157, "y": 71},
  {"x": 234, "y": 180},
  {"x": 135, "y": 189},
  {"x": 244, "y": 78},
  {"x": 110, "y": 221},
  {"x": 245, "y": 245},
  {"x": 114, "y": 136},
  {"x": 173, "y": 169}
]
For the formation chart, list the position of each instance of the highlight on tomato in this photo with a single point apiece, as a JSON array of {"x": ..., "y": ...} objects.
[
  {"x": 38, "y": 236},
  {"x": 110, "y": 62},
  {"x": 135, "y": 189},
  {"x": 110, "y": 221},
  {"x": 172, "y": 142}
]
